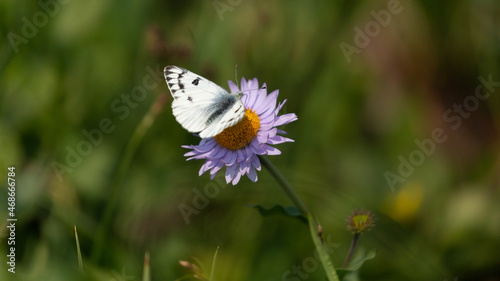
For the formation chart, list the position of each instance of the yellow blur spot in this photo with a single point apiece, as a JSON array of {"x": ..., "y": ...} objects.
[{"x": 404, "y": 206}]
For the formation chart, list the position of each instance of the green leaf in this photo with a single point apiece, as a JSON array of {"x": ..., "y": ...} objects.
[
  {"x": 356, "y": 264},
  {"x": 324, "y": 257},
  {"x": 290, "y": 211}
]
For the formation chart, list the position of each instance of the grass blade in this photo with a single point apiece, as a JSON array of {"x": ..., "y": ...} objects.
[
  {"x": 212, "y": 270},
  {"x": 146, "y": 273},
  {"x": 80, "y": 262}
]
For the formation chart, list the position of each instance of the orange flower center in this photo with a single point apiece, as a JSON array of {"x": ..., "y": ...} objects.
[{"x": 241, "y": 134}]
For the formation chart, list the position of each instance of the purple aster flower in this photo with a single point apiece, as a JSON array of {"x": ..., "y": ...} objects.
[{"x": 237, "y": 147}]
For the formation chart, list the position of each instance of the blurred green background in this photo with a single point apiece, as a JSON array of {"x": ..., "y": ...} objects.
[{"x": 67, "y": 66}]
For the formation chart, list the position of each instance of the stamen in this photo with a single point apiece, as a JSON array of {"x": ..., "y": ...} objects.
[{"x": 241, "y": 134}]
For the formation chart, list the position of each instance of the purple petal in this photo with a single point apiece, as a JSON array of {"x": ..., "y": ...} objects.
[
  {"x": 285, "y": 119},
  {"x": 250, "y": 85},
  {"x": 262, "y": 138},
  {"x": 232, "y": 87},
  {"x": 252, "y": 174},
  {"x": 205, "y": 155},
  {"x": 253, "y": 84},
  {"x": 205, "y": 146},
  {"x": 252, "y": 96},
  {"x": 215, "y": 169},
  {"x": 267, "y": 123},
  {"x": 218, "y": 152},
  {"x": 241, "y": 155},
  {"x": 213, "y": 163},
  {"x": 243, "y": 84},
  {"x": 280, "y": 105},
  {"x": 209, "y": 164},
  {"x": 279, "y": 139},
  {"x": 271, "y": 150},
  {"x": 264, "y": 87},
  {"x": 254, "y": 144},
  {"x": 196, "y": 157},
  {"x": 250, "y": 150},
  {"x": 267, "y": 118},
  {"x": 230, "y": 157},
  {"x": 190, "y": 153},
  {"x": 256, "y": 163},
  {"x": 265, "y": 128},
  {"x": 259, "y": 99},
  {"x": 236, "y": 178},
  {"x": 244, "y": 166},
  {"x": 230, "y": 171},
  {"x": 268, "y": 104},
  {"x": 271, "y": 133}
]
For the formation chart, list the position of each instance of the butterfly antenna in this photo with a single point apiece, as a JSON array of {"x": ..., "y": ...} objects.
[{"x": 236, "y": 76}]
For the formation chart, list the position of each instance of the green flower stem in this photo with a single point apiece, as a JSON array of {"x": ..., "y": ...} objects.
[
  {"x": 136, "y": 138},
  {"x": 351, "y": 250},
  {"x": 327, "y": 263},
  {"x": 284, "y": 184}
]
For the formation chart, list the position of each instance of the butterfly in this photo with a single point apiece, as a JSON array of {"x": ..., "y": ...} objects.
[{"x": 200, "y": 105}]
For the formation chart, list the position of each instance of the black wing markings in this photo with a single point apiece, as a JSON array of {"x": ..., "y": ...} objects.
[
  {"x": 223, "y": 106},
  {"x": 196, "y": 81}
]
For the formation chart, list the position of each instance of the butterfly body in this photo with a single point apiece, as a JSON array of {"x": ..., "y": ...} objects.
[{"x": 201, "y": 106}]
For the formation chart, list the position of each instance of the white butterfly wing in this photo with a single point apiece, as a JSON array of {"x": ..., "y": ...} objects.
[
  {"x": 227, "y": 114},
  {"x": 200, "y": 105}
]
